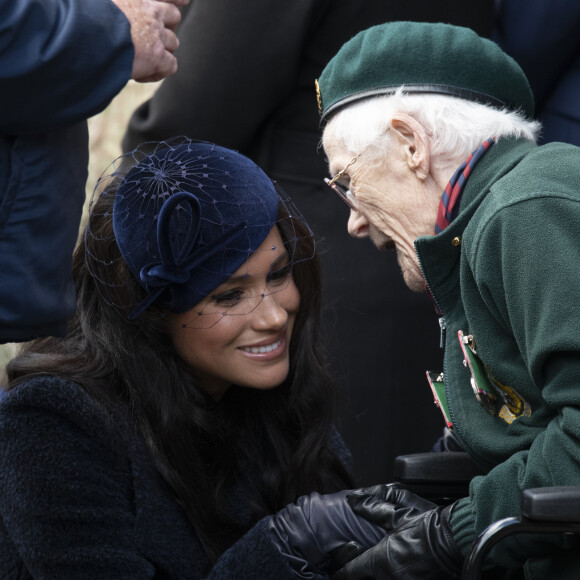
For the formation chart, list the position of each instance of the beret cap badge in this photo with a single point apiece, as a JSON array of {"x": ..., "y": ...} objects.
[{"x": 318, "y": 96}]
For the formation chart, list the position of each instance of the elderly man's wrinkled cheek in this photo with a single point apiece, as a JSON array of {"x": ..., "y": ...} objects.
[{"x": 381, "y": 241}]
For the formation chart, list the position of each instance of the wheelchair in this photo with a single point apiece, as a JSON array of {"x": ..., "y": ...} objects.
[{"x": 444, "y": 477}]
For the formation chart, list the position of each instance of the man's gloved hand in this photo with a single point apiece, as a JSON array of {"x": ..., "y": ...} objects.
[
  {"x": 421, "y": 547},
  {"x": 388, "y": 506},
  {"x": 307, "y": 531}
]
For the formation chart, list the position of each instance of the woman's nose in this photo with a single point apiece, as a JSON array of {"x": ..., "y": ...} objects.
[
  {"x": 358, "y": 225},
  {"x": 270, "y": 313}
]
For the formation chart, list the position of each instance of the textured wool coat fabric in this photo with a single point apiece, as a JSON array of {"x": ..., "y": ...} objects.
[
  {"x": 60, "y": 63},
  {"x": 80, "y": 498},
  {"x": 512, "y": 283},
  {"x": 246, "y": 81}
]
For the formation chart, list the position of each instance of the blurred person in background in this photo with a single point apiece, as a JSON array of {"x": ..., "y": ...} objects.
[
  {"x": 543, "y": 39},
  {"x": 60, "y": 63}
]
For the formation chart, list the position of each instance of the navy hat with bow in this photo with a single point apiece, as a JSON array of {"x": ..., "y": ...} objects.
[{"x": 187, "y": 216}]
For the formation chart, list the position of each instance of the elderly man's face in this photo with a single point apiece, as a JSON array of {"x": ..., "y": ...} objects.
[{"x": 394, "y": 206}]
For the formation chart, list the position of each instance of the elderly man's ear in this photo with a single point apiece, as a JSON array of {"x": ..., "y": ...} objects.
[{"x": 413, "y": 142}]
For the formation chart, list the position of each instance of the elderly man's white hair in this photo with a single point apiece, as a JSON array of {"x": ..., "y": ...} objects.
[{"x": 456, "y": 126}]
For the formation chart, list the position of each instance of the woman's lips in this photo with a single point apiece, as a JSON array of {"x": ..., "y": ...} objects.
[{"x": 266, "y": 350}]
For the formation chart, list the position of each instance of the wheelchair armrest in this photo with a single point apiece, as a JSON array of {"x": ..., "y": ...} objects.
[
  {"x": 449, "y": 466},
  {"x": 439, "y": 477},
  {"x": 552, "y": 504},
  {"x": 544, "y": 510}
]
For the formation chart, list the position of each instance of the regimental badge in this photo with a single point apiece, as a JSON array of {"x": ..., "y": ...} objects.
[
  {"x": 495, "y": 397},
  {"x": 514, "y": 405},
  {"x": 318, "y": 96}
]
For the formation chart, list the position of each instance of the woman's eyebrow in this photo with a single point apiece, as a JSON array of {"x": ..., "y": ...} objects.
[{"x": 279, "y": 262}]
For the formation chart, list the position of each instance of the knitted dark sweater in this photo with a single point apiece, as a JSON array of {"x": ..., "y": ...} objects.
[{"x": 79, "y": 499}]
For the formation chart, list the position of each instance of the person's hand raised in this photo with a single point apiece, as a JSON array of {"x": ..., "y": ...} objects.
[{"x": 153, "y": 24}]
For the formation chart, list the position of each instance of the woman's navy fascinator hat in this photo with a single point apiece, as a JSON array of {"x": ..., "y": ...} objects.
[{"x": 186, "y": 215}]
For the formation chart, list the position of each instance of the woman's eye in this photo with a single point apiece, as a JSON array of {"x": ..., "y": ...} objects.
[
  {"x": 229, "y": 297},
  {"x": 281, "y": 274}
]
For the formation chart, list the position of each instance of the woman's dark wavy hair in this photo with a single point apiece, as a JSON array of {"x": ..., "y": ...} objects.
[{"x": 279, "y": 442}]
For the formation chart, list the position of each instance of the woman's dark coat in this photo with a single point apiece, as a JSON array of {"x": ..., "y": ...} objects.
[{"x": 80, "y": 498}]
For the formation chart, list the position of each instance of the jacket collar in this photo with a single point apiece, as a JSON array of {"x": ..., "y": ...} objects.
[{"x": 439, "y": 254}]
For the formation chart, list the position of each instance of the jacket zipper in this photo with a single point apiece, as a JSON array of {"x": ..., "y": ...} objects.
[
  {"x": 443, "y": 334},
  {"x": 443, "y": 327}
]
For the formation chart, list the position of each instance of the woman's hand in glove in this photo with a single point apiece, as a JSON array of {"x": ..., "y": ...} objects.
[
  {"x": 322, "y": 532},
  {"x": 307, "y": 531}
]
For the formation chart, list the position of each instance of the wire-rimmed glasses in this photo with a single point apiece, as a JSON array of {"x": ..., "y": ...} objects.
[{"x": 342, "y": 190}]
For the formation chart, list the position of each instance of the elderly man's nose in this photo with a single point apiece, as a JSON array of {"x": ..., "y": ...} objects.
[{"x": 358, "y": 225}]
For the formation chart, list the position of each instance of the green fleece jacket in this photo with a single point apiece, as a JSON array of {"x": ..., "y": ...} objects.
[{"x": 507, "y": 272}]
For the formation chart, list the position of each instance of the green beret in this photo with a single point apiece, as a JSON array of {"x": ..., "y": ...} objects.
[{"x": 425, "y": 58}]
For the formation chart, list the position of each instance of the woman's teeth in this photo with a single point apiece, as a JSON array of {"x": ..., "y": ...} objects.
[{"x": 262, "y": 349}]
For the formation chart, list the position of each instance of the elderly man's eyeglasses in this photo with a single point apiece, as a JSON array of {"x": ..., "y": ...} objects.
[{"x": 343, "y": 191}]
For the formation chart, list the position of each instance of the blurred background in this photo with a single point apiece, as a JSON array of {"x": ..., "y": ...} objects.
[{"x": 106, "y": 131}]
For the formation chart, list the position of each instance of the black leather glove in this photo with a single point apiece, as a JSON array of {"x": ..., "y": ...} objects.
[
  {"x": 387, "y": 506},
  {"x": 307, "y": 531},
  {"x": 421, "y": 548}
]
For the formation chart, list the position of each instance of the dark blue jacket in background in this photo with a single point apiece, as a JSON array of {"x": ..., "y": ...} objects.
[
  {"x": 61, "y": 61},
  {"x": 544, "y": 38}
]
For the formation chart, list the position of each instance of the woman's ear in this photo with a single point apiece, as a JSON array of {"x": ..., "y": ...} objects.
[{"x": 413, "y": 141}]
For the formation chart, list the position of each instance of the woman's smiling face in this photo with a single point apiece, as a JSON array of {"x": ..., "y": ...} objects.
[{"x": 255, "y": 311}]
